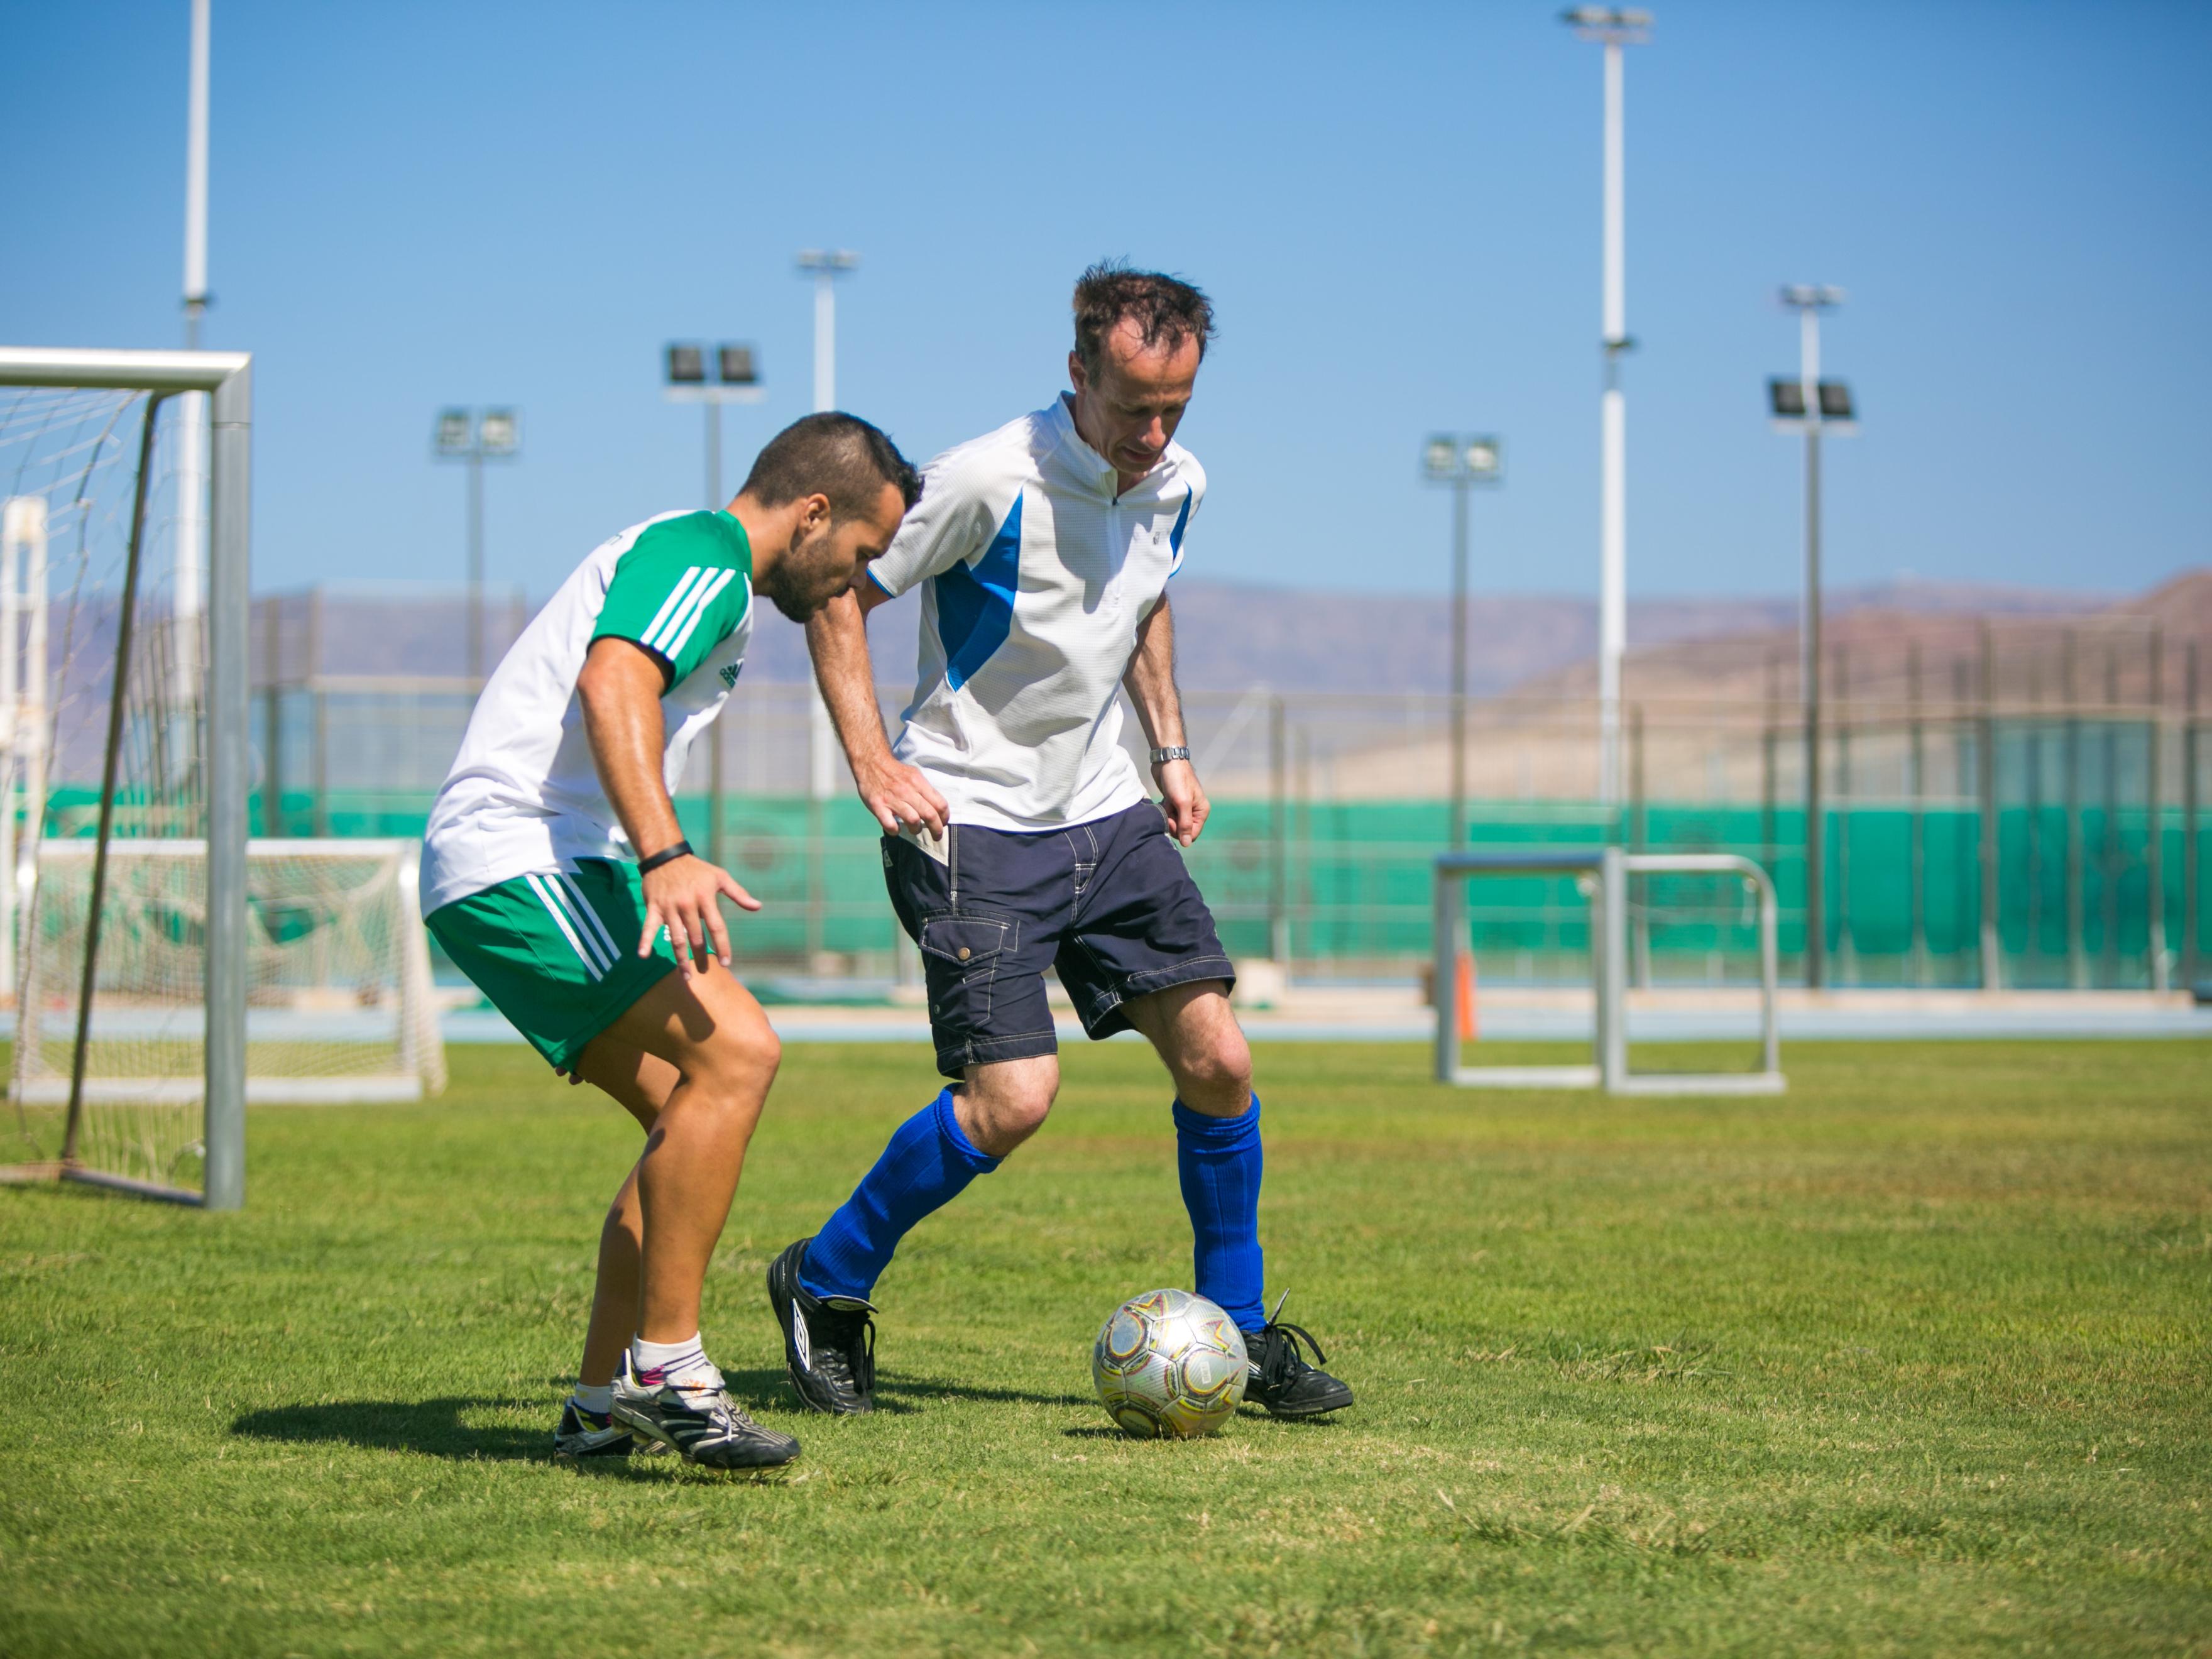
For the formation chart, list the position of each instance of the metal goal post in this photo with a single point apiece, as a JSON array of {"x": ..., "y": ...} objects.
[
  {"x": 1603, "y": 874},
  {"x": 228, "y": 378}
]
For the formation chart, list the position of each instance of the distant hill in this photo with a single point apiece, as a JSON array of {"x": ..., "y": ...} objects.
[{"x": 1228, "y": 636}]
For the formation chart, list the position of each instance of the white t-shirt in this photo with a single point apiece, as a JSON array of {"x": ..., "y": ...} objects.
[
  {"x": 523, "y": 796},
  {"x": 1038, "y": 574}
]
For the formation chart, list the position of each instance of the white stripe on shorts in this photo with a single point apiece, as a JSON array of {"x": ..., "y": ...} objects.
[
  {"x": 591, "y": 918},
  {"x": 589, "y": 958}
]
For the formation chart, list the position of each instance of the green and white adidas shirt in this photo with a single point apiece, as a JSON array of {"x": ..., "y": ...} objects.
[{"x": 524, "y": 796}]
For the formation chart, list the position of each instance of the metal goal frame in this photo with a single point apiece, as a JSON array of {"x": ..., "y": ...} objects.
[
  {"x": 228, "y": 378},
  {"x": 1603, "y": 874}
]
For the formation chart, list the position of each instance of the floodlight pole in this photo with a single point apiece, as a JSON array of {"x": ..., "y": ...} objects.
[
  {"x": 476, "y": 565},
  {"x": 826, "y": 267},
  {"x": 1809, "y": 301},
  {"x": 1613, "y": 27}
]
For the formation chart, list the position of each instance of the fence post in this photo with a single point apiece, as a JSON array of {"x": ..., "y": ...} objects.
[
  {"x": 2077, "y": 920},
  {"x": 2110, "y": 951},
  {"x": 1766, "y": 764},
  {"x": 1443, "y": 968},
  {"x": 2190, "y": 933},
  {"x": 1846, "y": 952},
  {"x": 272, "y": 714},
  {"x": 1916, "y": 854},
  {"x": 1278, "y": 833},
  {"x": 2155, "y": 829},
  {"x": 318, "y": 716},
  {"x": 1986, "y": 759},
  {"x": 1640, "y": 834}
]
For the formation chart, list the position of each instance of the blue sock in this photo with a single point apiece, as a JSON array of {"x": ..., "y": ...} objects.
[
  {"x": 1218, "y": 1159},
  {"x": 928, "y": 1164}
]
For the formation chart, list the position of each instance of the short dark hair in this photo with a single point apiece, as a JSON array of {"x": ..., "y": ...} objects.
[
  {"x": 1166, "y": 308},
  {"x": 840, "y": 456}
]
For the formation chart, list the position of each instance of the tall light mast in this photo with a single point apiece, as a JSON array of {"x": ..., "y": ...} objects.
[
  {"x": 192, "y": 406},
  {"x": 1614, "y": 27}
]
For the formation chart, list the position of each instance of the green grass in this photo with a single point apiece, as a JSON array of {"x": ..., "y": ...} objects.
[{"x": 1915, "y": 1360}]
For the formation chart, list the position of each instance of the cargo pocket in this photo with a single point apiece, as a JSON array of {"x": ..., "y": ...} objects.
[{"x": 960, "y": 955}]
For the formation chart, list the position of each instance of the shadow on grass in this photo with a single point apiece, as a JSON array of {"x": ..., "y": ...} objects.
[
  {"x": 433, "y": 1426},
  {"x": 930, "y": 1388}
]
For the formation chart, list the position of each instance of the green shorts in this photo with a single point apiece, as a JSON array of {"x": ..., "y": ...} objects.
[{"x": 556, "y": 952}]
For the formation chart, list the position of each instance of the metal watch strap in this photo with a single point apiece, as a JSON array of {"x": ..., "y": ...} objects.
[
  {"x": 1173, "y": 752},
  {"x": 682, "y": 849}
]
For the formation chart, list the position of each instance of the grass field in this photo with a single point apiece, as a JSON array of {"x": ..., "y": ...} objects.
[{"x": 1917, "y": 1360}]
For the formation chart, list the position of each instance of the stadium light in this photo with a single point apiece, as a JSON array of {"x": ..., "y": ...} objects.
[
  {"x": 825, "y": 267},
  {"x": 475, "y": 436},
  {"x": 1812, "y": 406},
  {"x": 1461, "y": 462},
  {"x": 1613, "y": 27},
  {"x": 738, "y": 381}
]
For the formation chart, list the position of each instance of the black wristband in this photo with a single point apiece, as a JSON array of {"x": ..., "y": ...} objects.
[{"x": 666, "y": 855}]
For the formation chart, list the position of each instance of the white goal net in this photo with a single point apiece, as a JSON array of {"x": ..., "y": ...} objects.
[{"x": 160, "y": 970}]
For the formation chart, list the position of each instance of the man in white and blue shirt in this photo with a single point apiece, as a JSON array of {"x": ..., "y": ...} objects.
[{"x": 1019, "y": 837}]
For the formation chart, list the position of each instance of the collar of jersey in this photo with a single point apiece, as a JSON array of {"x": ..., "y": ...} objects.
[{"x": 1095, "y": 468}]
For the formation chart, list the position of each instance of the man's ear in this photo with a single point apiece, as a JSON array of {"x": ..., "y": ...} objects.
[
  {"x": 1075, "y": 375},
  {"x": 814, "y": 513}
]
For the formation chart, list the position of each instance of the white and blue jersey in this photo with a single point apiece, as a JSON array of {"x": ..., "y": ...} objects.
[{"x": 1038, "y": 575}]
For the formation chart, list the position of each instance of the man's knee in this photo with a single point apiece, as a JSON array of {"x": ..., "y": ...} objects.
[
  {"x": 737, "y": 1062},
  {"x": 1214, "y": 1070},
  {"x": 1007, "y": 1103}
]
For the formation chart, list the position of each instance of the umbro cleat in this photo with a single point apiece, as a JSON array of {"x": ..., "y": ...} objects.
[
  {"x": 828, "y": 1342},
  {"x": 1281, "y": 1378},
  {"x": 697, "y": 1419},
  {"x": 591, "y": 1434}
]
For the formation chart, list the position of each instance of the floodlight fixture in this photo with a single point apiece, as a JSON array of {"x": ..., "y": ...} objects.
[
  {"x": 1786, "y": 399},
  {"x": 1440, "y": 459},
  {"x": 686, "y": 364},
  {"x": 499, "y": 433},
  {"x": 1812, "y": 295},
  {"x": 735, "y": 365},
  {"x": 1484, "y": 458},
  {"x": 1630, "y": 25},
  {"x": 454, "y": 435},
  {"x": 1835, "y": 401}
]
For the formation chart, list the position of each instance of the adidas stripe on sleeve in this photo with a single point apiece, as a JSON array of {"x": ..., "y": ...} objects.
[{"x": 679, "y": 592}]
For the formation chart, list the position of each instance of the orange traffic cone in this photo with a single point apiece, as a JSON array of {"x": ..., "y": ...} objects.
[{"x": 1469, "y": 1027}]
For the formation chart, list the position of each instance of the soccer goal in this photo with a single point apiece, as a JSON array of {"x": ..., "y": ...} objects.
[
  {"x": 1601, "y": 874},
  {"x": 124, "y": 767}
]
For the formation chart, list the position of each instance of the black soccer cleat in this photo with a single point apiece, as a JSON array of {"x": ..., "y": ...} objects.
[
  {"x": 697, "y": 1419},
  {"x": 1280, "y": 1378},
  {"x": 591, "y": 1434},
  {"x": 828, "y": 1342}
]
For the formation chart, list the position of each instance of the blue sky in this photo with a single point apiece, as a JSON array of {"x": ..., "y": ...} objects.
[{"x": 1395, "y": 210}]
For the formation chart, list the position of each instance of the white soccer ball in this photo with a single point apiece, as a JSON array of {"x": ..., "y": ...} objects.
[{"x": 1169, "y": 1365}]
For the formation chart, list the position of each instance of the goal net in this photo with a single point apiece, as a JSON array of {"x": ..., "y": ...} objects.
[{"x": 159, "y": 971}]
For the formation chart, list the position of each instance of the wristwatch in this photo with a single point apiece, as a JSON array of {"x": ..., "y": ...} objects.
[{"x": 1173, "y": 752}]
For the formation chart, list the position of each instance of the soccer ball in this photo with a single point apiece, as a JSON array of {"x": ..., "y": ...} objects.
[{"x": 1169, "y": 1365}]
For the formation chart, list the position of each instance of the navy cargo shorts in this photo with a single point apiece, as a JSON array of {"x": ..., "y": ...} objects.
[{"x": 1109, "y": 906}]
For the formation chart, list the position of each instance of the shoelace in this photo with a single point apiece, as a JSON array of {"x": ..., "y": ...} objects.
[{"x": 1280, "y": 1356}]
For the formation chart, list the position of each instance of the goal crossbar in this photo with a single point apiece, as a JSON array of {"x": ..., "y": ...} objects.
[
  {"x": 228, "y": 378},
  {"x": 1603, "y": 873}
]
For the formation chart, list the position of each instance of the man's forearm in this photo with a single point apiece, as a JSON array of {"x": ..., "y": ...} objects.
[
  {"x": 1150, "y": 679},
  {"x": 837, "y": 640}
]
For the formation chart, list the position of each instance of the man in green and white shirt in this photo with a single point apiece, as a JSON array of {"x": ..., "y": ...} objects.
[{"x": 556, "y": 876}]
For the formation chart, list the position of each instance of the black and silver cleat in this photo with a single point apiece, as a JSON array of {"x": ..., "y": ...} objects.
[
  {"x": 697, "y": 1419},
  {"x": 828, "y": 1342}
]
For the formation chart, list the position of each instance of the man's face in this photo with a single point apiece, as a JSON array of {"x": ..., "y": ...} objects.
[
  {"x": 827, "y": 553},
  {"x": 1130, "y": 407}
]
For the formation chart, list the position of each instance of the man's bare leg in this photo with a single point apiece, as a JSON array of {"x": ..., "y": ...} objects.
[
  {"x": 709, "y": 1029},
  {"x": 1198, "y": 1037},
  {"x": 639, "y": 1083}
]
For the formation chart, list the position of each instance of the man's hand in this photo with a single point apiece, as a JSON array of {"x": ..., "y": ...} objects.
[
  {"x": 680, "y": 896},
  {"x": 1184, "y": 800},
  {"x": 900, "y": 797}
]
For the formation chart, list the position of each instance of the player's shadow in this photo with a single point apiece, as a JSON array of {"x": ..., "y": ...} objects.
[{"x": 893, "y": 1394}]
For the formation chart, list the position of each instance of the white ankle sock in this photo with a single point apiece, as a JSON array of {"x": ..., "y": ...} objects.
[
  {"x": 596, "y": 1397},
  {"x": 676, "y": 1362}
]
